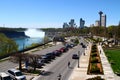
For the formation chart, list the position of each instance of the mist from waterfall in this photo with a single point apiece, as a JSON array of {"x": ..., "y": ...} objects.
[{"x": 34, "y": 33}]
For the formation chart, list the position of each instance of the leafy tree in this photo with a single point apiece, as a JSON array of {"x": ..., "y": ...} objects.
[{"x": 7, "y": 45}]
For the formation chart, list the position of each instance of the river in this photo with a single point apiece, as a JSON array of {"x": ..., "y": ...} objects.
[{"x": 36, "y": 36}]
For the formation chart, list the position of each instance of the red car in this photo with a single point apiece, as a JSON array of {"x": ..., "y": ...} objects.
[{"x": 63, "y": 49}]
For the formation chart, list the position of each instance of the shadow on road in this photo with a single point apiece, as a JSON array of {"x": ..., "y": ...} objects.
[
  {"x": 71, "y": 67},
  {"x": 46, "y": 73}
]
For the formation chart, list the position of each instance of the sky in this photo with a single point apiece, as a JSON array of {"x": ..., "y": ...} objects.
[{"x": 53, "y": 13}]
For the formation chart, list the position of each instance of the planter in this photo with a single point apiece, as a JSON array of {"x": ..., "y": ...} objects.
[{"x": 95, "y": 66}]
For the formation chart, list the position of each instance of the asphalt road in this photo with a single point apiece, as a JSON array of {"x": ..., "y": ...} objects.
[
  {"x": 54, "y": 68},
  {"x": 5, "y": 65},
  {"x": 60, "y": 65}
]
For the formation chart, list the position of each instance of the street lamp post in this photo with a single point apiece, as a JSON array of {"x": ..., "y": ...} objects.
[{"x": 78, "y": 58}]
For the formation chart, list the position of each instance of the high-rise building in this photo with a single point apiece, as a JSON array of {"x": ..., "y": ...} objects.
[
  {"x": 65, "y": 25},
  {"x": 72, "y": 23},
  {"x": 119, "y": 23},
  {"x": 82, "y": 22},
  {"x": 97, "y": 23},
  {"x": 100, "y": 13},
  {"x": 103, "y": 20}
]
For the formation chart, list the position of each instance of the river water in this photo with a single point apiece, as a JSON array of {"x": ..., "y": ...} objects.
[{"x": 36, "y": 36}]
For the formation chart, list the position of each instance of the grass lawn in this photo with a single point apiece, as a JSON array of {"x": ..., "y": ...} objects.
[{"x": 114, "y": 58}]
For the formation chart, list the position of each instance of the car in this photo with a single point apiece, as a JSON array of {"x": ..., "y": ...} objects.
[
  {"x": 16, "y": 74},
  {"x": 51, "y": 55},
  {"x": 83, "y": 46},
  {"x": 40, "y": 63},
  {"x": 68, "y": 46},
  {"x": 57, "y": 52},
  {"x": 4, "y": 76},
  {"x": 75, "y": 56},
  {"x": 46, "y": 58},
  {"x": 63, "y": 49}
]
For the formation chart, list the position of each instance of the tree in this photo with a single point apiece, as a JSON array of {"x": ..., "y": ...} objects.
[
  {"x": 7, "y": 45},
  {"x": 19, "y": 57},
  {"x": 33, "y": 59}
]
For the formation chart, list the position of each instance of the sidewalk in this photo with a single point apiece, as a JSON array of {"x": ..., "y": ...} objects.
[
  {"x": 108, "y": 72},
  {"x": 81, "y": 72}
]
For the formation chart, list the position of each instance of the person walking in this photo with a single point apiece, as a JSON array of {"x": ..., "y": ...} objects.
[
  {"x": 59, "y": 76},
  {"x": 69, "y": 64}
]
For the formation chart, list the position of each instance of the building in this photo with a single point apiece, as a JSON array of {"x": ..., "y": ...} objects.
[
  {"x": 97, "y": 23},
  {"x": 65, "y": 25},
  {"x": 82, "y": 22},
  {"x": 72, "y": 23},
  {"x": 92, "y": 25},
  {"x": 119, "y": 23},
  {"x": 103, "y": 21}
]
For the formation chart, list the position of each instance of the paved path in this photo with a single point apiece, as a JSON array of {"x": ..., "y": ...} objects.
[
  {"x": 81, "y": 73},
  {"x": 108, "y": 72}
]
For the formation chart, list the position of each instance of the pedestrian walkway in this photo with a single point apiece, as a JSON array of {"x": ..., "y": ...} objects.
[
  {"x": 108, "y": 72},
  {"x": 80, "y": 73}
]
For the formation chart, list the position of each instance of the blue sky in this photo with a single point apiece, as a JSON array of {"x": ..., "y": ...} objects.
[{"x": 52, "y": 13}]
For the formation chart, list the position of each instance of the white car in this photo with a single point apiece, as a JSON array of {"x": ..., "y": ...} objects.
[
  {"x": 4, "y": 76},
  {"x": 16, "y": 74}
]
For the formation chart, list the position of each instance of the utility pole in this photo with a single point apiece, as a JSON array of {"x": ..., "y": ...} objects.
[{"x": 78, "y": 58}]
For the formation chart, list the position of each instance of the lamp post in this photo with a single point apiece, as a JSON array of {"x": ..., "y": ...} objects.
[{"x": 78, "y": 58}]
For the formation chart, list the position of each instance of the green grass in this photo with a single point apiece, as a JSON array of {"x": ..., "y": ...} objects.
[{"x": 114, "y": 58}]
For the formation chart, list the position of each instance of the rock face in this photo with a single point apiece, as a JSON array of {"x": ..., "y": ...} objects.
[{"x": 14, "y": 34}]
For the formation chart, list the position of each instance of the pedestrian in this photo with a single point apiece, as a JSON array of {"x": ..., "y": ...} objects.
[
  {"x": 84, "y": 53},
  {"x": 59, "y": 76},
  {"x": 100, "y": 51},
  {"x": 69, "y": 64}
]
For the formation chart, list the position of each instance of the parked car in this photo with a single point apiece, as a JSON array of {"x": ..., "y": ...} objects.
[
  {"x": 63, "y": 49},
  {"x": 51, "y": 55},
  {"x": 40, "y": 63},
  {"x": 16, "y": 74},
  {"x": 75, "y": 56},
  {"x": 46, "y": 58},
  {"x": 4, "y": 76},
  {"x": 57, "y": 52}
]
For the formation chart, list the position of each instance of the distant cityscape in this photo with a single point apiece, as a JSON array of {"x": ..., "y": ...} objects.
[{"x": 101, "y": 22}]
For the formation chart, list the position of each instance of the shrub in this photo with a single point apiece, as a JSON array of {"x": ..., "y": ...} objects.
[
  {"x": 96, "y": 78},
  {"x": 94, "y": 60},
  {"x": 94, "y": 50},
  {"x": 93, "y": 54},
  {"x": 94, "y": 68}
]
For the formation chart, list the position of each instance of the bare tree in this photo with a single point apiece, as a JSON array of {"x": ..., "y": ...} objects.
[{"x": 33, "y": 58}]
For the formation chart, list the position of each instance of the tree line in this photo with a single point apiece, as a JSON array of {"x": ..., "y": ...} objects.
[{"x": 108, "y": 32}]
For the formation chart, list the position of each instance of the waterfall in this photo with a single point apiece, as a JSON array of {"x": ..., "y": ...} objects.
[{"x": 34, "y": 33}]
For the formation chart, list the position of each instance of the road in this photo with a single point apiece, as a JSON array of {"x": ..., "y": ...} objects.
[
  {"x": 60, "y": 65},
  {"x": 56, "y": 67},
  {"x": 5, "y": 65}
]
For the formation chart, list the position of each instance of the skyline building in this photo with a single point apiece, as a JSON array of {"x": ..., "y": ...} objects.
[
  {"x": 72, "y": 23},
  {"x": 65, "y": 25},
  {"x": 100, "y": 13},
  {"x": 82, "y": 22},
  {"x": 97, "y": 23},
  {"x": 103, "y": 20}
]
